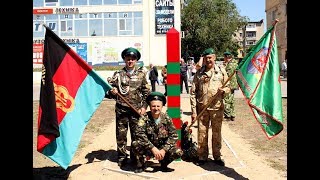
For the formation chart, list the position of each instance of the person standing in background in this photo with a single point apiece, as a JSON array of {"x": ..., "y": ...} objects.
[
  {"x": 183, "y": 76},
  {"x": 153, "y": 77},
  {"x": 284, "y": 68},
  {"x": 164, "y": 80},
  {"x": 230, "y": 65}
]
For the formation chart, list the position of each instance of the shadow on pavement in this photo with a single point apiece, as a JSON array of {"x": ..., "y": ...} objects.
[
  {"x": 56, "y": 173},
  {"x": 102, "y": 155},
  {"x": 229, "y": 172}
]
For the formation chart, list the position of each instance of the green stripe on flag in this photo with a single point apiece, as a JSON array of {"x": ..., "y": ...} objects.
[
  {"x": 173, "y": 90},
  {"x": 174, "y": 112},
  {"x": 179, "y": 133},
  {"x": 173, "y": 68}
]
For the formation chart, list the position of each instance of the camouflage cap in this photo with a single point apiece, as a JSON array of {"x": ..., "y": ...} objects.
[
  {"x": 156, "y": 96},
  {"x": 131, "y": 52},
  {"x": 208, "y": 51}
]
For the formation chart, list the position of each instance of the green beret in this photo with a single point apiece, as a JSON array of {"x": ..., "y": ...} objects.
[
  {"x": 132, "y": 52},
  {"x": 156, "y": 96},
  {"x": 227, "y": 53},
  {"x": 208, "y": 51}
]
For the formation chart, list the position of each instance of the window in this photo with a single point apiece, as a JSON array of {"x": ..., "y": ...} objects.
[
  {"x": 137, "y": 1},
  {"x": 37, "y": 27},
  {"x": 81, "y": 27},
  {"x": 138, "y": 23},
  {"x": 95, "y": 24},
  {"x": 95, "y": 2},
  {"x": 51, "y": 2},
  {"x": 109, "y": 2},
  {"x": 80, "y": 2},
  {"x": 250, "y": 43},
  {"x": 38, "y": 3},
  {"x": 125, "y": 23},
  {"x": 66, "y": 2},
  {"x": 251, "y": 34},
  {"x": 80, "y": 16},
  {"x": 110, "y": 24},
  {"x": 251, "y": 25},
  {"x": 125, "y": 1},
  {"x": 273, "y": 15},
  {"x": 66, "y": 25}
]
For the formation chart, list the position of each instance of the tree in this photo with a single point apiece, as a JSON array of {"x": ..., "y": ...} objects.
[{"x": 210, "y": 23}]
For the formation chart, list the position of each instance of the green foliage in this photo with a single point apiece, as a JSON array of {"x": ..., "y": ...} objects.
[
  {"x": 249, "y": 49},
  {"x": 210, "y": 23}
]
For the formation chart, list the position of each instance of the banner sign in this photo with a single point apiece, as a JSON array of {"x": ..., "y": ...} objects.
[{"x": 164, "y": 16}]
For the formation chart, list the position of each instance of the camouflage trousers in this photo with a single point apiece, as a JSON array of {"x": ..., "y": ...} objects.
[
  {"x": 125, "y": 118},
  {"x": 213, "y": 117},
  {"x": 229, "y": 106},
  {"x": 140, "y": 153}
]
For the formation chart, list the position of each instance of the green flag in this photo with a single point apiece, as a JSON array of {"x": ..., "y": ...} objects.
[{"x": 258, "y": 76}]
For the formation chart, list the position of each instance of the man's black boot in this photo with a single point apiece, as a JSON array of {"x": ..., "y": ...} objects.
[
  {"x": 122, "y": 162},
  {"x": 200, "y": 162},
  {"x": 220, "y": 162}
]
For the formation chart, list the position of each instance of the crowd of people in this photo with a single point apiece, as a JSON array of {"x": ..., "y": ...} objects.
[{"x": 153, "y": 134}]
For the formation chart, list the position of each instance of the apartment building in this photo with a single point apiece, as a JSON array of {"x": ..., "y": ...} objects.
[
  {"x": 249, "y": 35},
  {"x": 98, "y": 30},
  {"x": 277, "y": 9}
]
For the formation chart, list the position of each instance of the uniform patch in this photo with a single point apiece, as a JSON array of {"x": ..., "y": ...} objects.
[{"x": 141, "y": 122}]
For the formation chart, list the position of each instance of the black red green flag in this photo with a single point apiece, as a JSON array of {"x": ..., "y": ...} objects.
[{"x": 70, "y": 93}]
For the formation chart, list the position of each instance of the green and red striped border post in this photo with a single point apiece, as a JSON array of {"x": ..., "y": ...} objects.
[{"x": 173, "y": 79}]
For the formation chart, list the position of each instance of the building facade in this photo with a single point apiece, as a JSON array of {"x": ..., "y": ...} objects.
[
  {"x": 277, "y": 9},
  {"x": 249, "y": 35},
  {"x": 98, "y": 30}
]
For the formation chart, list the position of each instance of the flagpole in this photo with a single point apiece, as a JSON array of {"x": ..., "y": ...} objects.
[{"x": 129, "y": 104}]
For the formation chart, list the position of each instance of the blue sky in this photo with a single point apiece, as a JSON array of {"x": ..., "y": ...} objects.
[{"x": 253, "y": 9}]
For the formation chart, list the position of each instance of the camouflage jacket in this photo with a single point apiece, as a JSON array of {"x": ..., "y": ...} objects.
[
  {"x": 230, "y": 68},
  {"x": 205, "y": 85},
  {"x": 149, "y": 134},
  {"x": 132, "y": 87}
]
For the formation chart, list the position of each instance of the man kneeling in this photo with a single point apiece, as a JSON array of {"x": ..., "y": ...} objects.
[{"x": 156, "y": 135}]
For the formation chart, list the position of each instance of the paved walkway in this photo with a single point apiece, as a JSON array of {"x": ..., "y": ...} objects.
[{"x": 241, "y": 162}]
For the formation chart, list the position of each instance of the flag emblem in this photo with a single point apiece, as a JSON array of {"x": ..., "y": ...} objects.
[{"x": 258, "y": 61}]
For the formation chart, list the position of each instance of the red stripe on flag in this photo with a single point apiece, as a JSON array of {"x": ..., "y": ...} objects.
[
  {"x": 173, "y": 79},
  {"x": 173, "y": 101},
  {"x": 179, "y": 143},
  {"x": 177, "y": 123},
  {"x": 68, "y": 78}
]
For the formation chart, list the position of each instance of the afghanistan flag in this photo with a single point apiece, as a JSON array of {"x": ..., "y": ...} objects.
[
  {"x": 258, "y": 76},
  {"x": 70, "y": 93}
]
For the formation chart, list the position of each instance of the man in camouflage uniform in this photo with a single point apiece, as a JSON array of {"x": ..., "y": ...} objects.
[
  {"x": 231, "y": 65},
  {"x": 156, "y": 136},
  {"x": 206, "y": 83},
  {"x": 132, "y": 84}
]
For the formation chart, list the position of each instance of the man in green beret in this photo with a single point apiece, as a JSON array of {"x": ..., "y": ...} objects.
[
  {"x": 131, "y": 83},
  {"x": 231, "y": 65},
  {"x": 156, "y": 136},
  {"x": 206, "y": 83}
]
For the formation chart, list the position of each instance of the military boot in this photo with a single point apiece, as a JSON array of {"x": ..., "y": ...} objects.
[{"x": 219, "y": 161}]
